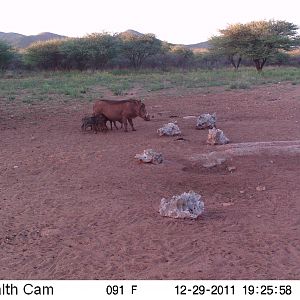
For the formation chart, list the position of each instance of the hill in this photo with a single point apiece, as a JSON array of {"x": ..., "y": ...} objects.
[
  {"x": 202, "y": 45},
  {"x": 22, "y": 41},
  {"x": 130, "y": 32}
]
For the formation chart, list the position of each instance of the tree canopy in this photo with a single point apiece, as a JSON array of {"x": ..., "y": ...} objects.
[
  {"x": 137, "y": 48},
  {"x": 257, "y": 40}
]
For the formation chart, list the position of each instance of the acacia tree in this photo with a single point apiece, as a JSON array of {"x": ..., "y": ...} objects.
[
  {"x": 138, "y": 47},
  {"x": 102, "y": 47},
  {"x": 44, "y": 55},
  {"x": 75, "y": 54},
  {"x": 228, "y": 44},
  {"x": 258, "y": 41}
]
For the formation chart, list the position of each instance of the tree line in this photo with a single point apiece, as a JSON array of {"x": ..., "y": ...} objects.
[{"x": 254, "y": 43}]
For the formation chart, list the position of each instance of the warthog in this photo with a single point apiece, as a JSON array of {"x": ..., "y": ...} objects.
[
  {"x": 121, "y": 111},
  {"x": 96, "y": 123}
]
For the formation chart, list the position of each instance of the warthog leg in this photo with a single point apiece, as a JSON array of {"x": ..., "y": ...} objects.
[
  {"x": 131, "y": 124},
  {"x": 111, "y": 125},
  {"x": 115, "y": 124},
  {"x": 124, "y": 121},
  {"x": 94, "y": 128}
]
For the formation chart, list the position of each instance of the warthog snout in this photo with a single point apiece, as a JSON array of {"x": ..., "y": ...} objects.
[
  {"x": 143, "y": 113},
  {"x": 147, "y": 117}
]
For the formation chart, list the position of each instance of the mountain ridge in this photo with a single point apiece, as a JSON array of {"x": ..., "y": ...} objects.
[{"x": 18, "y": 40}]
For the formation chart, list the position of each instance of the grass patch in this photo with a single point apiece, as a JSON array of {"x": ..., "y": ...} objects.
[
  {"x": 239, "y": 85},
  {"x": 85, "y": 85}
]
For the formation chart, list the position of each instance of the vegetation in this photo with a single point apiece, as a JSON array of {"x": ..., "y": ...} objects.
[
  {"x": 182, "y": 56},
  {"x": 258, "y": 41},
  {"x": 6, "y": 55},
  {"x": 94, "y": 51},
  {"x": 47, "y": 86},
  {"x": 139, "y": 47},
  {"x": 44, "y": 55},
  {"x": 255, "y": 42}
]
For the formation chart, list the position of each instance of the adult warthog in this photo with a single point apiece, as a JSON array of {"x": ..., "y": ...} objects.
[{"x": 121, "y": 111}]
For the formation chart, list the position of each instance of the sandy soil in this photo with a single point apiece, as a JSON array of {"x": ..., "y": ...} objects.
[{"x": 79, "y": 206}]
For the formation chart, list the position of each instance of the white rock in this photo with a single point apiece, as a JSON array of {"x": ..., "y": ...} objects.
[
  {"x": 216, "y": 137},
  {"x": 225, "y": 204},
  {"x": 150, "y": 156},
  {"x": 210, "y": 163},
  {"x": 205, "y": 121},
  {"x": 189, "y": 117},
  {"x": 186, "y": 205},
  {"x": 169, "y": 129},
  {"x": 231, "y": 168},
  {"x": 260, "y": 188}
]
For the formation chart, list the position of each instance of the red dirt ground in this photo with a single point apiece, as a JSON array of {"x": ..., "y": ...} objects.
[{"x": 79, "y": 206}]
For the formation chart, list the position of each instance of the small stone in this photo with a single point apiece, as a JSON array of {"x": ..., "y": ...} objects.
[
  {"x": 210, "y": 163},
  {"x": 242, "y": 192},
  {"x": 186, "y": 205},
  {"x": 227, "y": 204},
  {"x": 260, "y": 188},
  {"x": 258, "y": 216},
  {"x": 150, "y": 156},
  {"x": 231, "y": 169},
  {"x": 189, "y": 117},
  {"x": 15, "y": 167}
]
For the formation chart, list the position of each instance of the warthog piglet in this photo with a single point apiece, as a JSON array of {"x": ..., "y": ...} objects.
[{"x": 96, "y": 123}]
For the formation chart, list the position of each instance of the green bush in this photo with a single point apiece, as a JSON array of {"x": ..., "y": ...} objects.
[
  {"x": 91, "y": 52},
  {"x": 6, "y": 55},
  {"x": 137, "y": 48},
  {"x": 44, "y": 55}
]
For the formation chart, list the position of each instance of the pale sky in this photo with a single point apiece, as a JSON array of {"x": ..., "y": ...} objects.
[{"x": 177, "y": 21}]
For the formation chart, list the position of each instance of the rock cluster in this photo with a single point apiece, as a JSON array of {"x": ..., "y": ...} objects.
[
  {"x": 186, "y": 205},
  {"x": 150, "y": 156},
  {"x": 206, "y": 121},
  {"x": 169, "y": 129},
  {"x": 216, "y": 137}
]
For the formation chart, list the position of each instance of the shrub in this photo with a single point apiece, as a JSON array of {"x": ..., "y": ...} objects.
[
  {"x": 6, "y": 55},
  {"x": 45, "y": 55}
]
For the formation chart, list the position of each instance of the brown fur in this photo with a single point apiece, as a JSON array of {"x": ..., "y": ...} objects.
[{"x": 121, "y": 111}]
